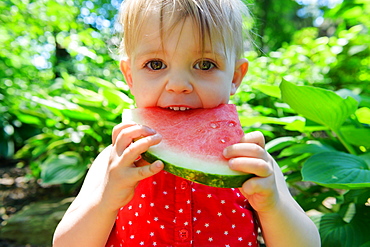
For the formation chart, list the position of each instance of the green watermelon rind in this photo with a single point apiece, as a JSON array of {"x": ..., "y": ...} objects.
[{"x": 213, "y": 180}]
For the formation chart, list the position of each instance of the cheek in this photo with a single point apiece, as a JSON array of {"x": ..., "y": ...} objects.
[
  {"x": 145, "y": 95},
  {"x": 134, "y": 91},
  {"x": 215, "y": 95}
]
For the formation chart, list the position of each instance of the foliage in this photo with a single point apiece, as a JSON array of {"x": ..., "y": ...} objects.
[
  {"x": 78, "y": 127},
  {"x": 340, "y": 162},
  {"x": 276, "y": 16},
  {"x": 319, "y": 138},
  {"x": 51, "y": 85},
  {"x": 61, "y": 93}
]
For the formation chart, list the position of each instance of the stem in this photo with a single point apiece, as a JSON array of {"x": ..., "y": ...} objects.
[{"x": 348, "y": 146}]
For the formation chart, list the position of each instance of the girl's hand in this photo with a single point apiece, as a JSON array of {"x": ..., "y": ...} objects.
[
  {"x": 249, "y": 156},
  {"x": 282, "y": 220},
  {"x": 129, "y": 141}
]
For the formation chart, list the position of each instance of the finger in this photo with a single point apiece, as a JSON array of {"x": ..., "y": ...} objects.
[
  {"x": 254, "y": 137},
  {"x": 129, "y": 134},
  {"x": 258, "y": 186},
  {"x": 117, "y": 129},
  {"x": 259, "y": 167},
  {"x": 140, "y": 146},
  {"x": 246, "y": 150},
  {"x": 142, "y": 172},
  {"x": 122, "y": 126}
]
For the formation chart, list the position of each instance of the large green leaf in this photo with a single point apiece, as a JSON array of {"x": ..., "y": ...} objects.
[
  {"x": 319, "y": 105},
  {"x": 337, "y": 170},
  {"x": 336, "y": 231},
  {"x": 64, "y": 168}
]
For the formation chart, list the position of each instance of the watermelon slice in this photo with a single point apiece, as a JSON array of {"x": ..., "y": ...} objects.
[{"x": 193, "y": 142}]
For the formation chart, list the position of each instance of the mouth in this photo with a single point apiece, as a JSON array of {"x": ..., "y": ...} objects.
[{"x": 178, "y": 108}]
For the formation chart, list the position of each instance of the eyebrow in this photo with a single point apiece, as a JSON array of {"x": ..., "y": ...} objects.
[
  {"x": 160, "y": 52},
  {"x": 216, "y": 54}
]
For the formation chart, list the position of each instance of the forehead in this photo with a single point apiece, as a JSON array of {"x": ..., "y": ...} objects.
[
  {"x": 162, "y": 27},
  {"x": 172, "y": 38}
]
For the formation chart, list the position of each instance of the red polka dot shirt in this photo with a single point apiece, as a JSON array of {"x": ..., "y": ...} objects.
[{"x": 170, "y": 211}]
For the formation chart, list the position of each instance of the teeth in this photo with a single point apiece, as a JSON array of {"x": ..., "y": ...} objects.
[{"x": 176, "y": 108}]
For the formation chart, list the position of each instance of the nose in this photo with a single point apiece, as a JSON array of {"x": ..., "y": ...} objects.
[{"x": 179, "y": 83}]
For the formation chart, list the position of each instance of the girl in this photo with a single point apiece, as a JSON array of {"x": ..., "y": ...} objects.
[{"x": 182, "y": 54}]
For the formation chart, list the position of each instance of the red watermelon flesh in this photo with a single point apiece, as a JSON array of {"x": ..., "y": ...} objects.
[
  {"x": 193, "y": 142},
  {"x": 199, "y": 132}
]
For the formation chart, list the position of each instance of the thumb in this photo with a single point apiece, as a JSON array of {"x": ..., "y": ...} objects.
[
  {"x": 254, "y": 137},
  {"x": 146, "y": 171}
]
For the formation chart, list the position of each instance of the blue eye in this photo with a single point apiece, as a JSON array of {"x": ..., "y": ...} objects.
[
  {"x": 155, "y": 65},
  {"x": 204, "y": 65}
]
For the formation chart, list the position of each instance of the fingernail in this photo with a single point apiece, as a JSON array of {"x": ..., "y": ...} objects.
[
  {"x": 152, "y": 130},
  {"x": 158, "y": 163},
  {"x": 157, "y": 136}
]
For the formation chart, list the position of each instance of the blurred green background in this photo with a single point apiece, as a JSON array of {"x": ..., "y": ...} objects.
[{"x": 61, "y": 93}]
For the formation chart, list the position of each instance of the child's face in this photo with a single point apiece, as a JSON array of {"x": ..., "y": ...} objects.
[{"x": 174, "y": 71}]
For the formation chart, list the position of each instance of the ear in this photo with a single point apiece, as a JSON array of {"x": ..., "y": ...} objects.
[
  {"x": 126, "y": 71},
  {"x": 241, "y": 68}
]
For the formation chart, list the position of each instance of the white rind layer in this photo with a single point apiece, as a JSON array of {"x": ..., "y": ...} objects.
[{"x": 191, "y": 162}]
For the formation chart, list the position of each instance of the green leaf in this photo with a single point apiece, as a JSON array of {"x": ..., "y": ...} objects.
[
  {"x": 363, "y": 115},
  {"x": 115, "y": 97},
  {"x": 337, "y": 170},
  {"x": 293, "y": 163},
  {"x": 313, "y": 148},
  {"x": 357, "y": 49},
  {"x": 366, "y": 158},
  {"x": 79, "y": 114},
  {"x": 335, "y": 231},
  {"x": 252, "y": 120},
  {"x": 356, "y": 136},
  {"x": 367, "y": 244},
  {"x": 319, "y": 105},
  {"x": 64, "y": 168},
  {"x": 100, "y": 82},
  {"x": 270, "y": 90},
  {"x": 365, "y": 102},
  {"x": 28, "y": 119},
  {"x": 279, "y": 143},
  {"x": 297, "y": 125},
  {"x": 360, "y": 196}
]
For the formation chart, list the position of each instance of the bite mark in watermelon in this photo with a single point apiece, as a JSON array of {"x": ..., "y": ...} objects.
[{"x": 193, "y": 142}]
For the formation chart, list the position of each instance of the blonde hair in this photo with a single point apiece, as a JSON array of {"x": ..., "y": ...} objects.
[{"x": 218, "y": 20}]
